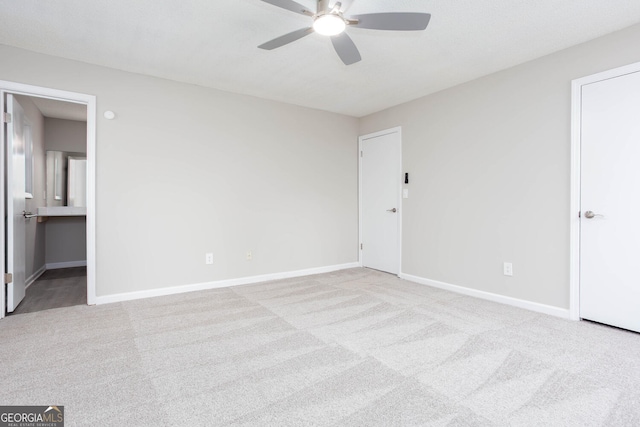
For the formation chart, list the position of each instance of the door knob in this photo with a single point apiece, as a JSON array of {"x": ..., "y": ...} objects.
[
  {"x": 591, "y": 214},
  {"x": 394, "y": 210}
]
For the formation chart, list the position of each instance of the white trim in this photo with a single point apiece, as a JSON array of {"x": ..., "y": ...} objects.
[
  {"x": 3, "y": 237},
  {"x": 90, "y": 102},
  {"x": 502, "y": 299},
  {"x": 34, "y": 276},
  {"x": 574, "y": 208},
  {"x": 91, "y": 201},
  {"x": 129, "y": 296},
  {"x": 398, "y": 130},
  {"x": 576, "y": 137},
  {"x": 360, "y": 200},
  {"x": 66, "y": 264}
]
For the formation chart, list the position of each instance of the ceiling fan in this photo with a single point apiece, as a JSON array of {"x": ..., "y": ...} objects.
[{"x": 330, "y": 21}]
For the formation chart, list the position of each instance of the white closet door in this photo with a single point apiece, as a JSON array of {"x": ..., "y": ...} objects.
[{"x": 610, "y": 202}]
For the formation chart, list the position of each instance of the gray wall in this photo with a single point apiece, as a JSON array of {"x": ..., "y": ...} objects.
[
  {"x": 490, "y": 170},
  {"x": 35, "y": 232},
  {"x": 184, "y": 170},
  {"x": 65, "y": 135},
  {"x": 66, "y": 239}
]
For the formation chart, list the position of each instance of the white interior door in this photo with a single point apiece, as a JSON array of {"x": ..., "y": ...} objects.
[
  {"x": 16, "y": 228},
  {"x": 381, "y": 184},
  {"x": 610, "y": 205}
]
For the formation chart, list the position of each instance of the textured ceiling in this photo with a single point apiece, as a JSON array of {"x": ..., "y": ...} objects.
[{"x": 214, "y": 43}]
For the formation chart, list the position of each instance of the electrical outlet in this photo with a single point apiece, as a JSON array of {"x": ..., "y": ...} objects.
[
  {"x": 208, "y": 259},
  {"x": 508, "y": 269},
  {"x": 249, "y": 256}
]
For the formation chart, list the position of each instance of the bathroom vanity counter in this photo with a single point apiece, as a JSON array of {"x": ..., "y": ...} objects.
[{"x": 45, "y": 212}]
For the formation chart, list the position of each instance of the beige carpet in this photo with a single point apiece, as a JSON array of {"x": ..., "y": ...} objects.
[{"x": 351, "y": 348}]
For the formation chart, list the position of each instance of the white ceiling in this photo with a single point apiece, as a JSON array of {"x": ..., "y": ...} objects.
[
  {"x": 61, "y": 109},
  {"x": 214, "y": 43}
]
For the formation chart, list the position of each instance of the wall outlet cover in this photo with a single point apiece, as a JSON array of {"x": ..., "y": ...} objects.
[{"x": 508, "y": 269}]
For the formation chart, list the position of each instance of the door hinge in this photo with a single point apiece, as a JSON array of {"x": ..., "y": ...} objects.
[
  {"x": 6, "y": 117},
  {"x": 361, "y": 153},
  {"x": 360, "y": 246},
  {"x": 8, "y": 278}
]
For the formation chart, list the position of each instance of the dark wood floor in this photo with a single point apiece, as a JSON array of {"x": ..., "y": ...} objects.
[{"x": 54, "y": 289}]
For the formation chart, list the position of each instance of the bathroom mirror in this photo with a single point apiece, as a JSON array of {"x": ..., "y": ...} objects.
[{"x": 66, "y": 179}]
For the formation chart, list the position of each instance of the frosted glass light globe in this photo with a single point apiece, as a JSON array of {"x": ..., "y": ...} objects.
[{"x": 329, "y": 25}]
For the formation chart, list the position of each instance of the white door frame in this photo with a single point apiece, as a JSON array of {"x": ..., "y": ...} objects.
[
  {"x": 78, "y": 98},
  {"x": 576, "y": 138},
  {"x": 362, "y": 138}
]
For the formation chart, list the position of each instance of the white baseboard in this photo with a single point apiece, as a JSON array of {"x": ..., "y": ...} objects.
[
  {"x": 106, "y": 299},
  {"x": 34, "y": 276},
  {"x": 68, "y": 264},
  {"x": 528, "y": 305}
]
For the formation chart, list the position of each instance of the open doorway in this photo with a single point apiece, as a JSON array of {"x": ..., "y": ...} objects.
[{"x": 48, "y": 150}]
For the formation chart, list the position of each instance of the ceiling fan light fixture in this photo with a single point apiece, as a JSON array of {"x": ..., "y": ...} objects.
[
  {"x": 329, "y": 20},
  {"x": 329, "y": 24}
]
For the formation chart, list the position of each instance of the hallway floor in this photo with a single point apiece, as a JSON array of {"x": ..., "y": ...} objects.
[{"x": 64, "y": 287}]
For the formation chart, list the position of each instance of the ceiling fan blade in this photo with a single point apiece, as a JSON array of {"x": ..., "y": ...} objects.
[
  {"x": 393, "y": 21},
  {"x": 286, "y": 39},
  {"x": 290, "y": 5},
  {"x": 346, "y": 49}
]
